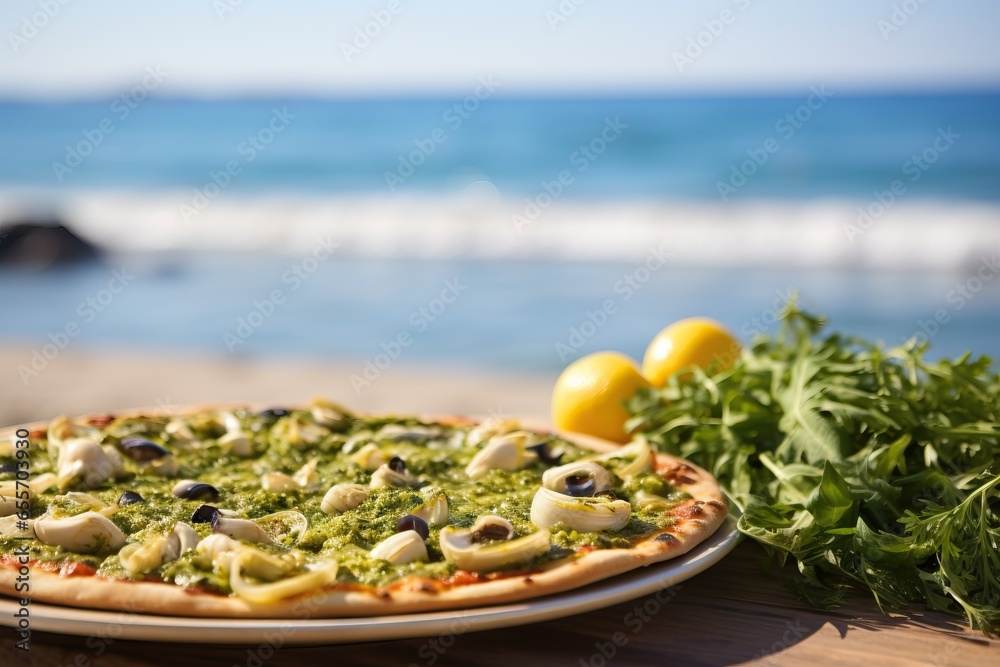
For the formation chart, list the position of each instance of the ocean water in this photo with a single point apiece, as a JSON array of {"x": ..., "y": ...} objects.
[
  {"x": 657, "y": 148},
  {"x": 505, "y": 313},
  {"x": 560, "y": 226}
]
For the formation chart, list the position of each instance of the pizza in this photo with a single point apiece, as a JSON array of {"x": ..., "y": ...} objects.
[{"x": 223, "y": 511}]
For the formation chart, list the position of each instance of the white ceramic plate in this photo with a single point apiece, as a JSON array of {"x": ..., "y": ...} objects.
[{"x": 121, "y": 625}]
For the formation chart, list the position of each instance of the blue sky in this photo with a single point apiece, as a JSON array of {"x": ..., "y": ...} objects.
[{"x": 239, "y": 47}]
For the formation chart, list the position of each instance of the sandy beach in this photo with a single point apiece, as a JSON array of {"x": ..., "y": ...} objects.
[{"x": 79, "y": 381}]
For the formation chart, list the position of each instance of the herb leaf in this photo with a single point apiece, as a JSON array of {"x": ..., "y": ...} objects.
[
  {"x": 871, "y": 468},
  {"x": 831, "y": 501}
]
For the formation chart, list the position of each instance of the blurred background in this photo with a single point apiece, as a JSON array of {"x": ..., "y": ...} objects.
[{"x": 437, "y": 206}]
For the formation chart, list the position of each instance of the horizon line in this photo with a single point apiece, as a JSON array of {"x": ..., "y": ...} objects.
[{"x": 978, "y": 90}]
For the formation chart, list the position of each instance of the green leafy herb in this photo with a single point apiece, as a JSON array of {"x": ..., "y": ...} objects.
[{"x": 872, "y": 468}]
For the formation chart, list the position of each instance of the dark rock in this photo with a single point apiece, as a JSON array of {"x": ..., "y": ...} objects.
[{"x": 41, "y": 244}]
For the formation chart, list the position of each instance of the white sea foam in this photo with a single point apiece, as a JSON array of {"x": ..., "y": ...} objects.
[{"x": 925, "y": 235}]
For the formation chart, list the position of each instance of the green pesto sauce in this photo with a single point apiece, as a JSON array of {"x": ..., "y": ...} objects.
[{"x": 435, "y": 454}]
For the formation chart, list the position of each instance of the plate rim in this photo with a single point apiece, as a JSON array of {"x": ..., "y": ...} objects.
[{"x": 344, "y": 630}]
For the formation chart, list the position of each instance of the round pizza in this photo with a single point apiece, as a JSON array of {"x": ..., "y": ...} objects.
[{"x": 319, "y": 512}]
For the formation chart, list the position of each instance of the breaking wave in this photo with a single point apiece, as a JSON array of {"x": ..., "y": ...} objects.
[{"x": 905, "y": 235}]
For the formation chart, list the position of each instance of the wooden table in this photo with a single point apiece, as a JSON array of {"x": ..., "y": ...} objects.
[{"x": 738, "y": 612}]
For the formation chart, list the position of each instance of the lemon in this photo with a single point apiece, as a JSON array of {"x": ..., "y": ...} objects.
[
  {"x": 696, "y": 341},
  {"x": 589, "y": 394}
]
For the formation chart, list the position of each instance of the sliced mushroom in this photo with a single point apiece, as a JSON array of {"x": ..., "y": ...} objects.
[
  {"x": 642, "y": 461},
  {"x": 87, "y": 533},
  {"x": 278, "y": 482},
  {"x": 299, "y": 433},
  {"x": 8, "y": 505},
  {"x": 83, "y": 463},
  {"x": 216, "y": 550},
  {"x": 325, "y": 416},
  {"x": 115, "y": 458},
  {"x": 306, "y": 476},
  {"x": 61, "y": 429},
  {"x": 405, "y": 547},
  {"x": 238, "y": 443},
  {"x": 43, "y": 482},
  {"x": 87, "y": 499},
  {"x": 231, "y": 422},
  {"x": 140, "y": 558},
  {"x": 369, "y": 457},
  {"x": 330, "y": 414},
  {"x": 269, "y": 529},
  {"x": 235, "y": 440},
  {"x": 91, "y": 501},
  {"x": 285, "y": 524},
  {"x": 7, "y": 440},
  {"x": 580, "y": 478},
  {"x": 240, "y": 529},
  {"x": 434, "y": 510},
  {"x": 586, "y": 515},
  {"x": 9, "y": 489},
  {"x": 385, "y": 477},
  {"x": 179, "y": 431},
  {"x": 645, "y": 500},
  {"x": 311, "y": 580},
  {"x": 11, "y": 526},
  {"x": 262, "y": 565},
  {"x": 184, "y": 538},
  {"x": 489, "y": 428},
  {"x": 459, "y": 547},
  {"x": 164, "y": 467},
  {"x": 343, "y": 498},
  {"x": 502, "y": 452}
]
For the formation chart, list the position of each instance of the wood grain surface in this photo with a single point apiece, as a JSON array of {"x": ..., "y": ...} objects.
[{"x": 741, "y": 611}]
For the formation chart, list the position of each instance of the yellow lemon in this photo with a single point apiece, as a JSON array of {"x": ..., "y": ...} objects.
[
  {"x": 589, "y": 394},
  {"x": 696, "y": 341}
]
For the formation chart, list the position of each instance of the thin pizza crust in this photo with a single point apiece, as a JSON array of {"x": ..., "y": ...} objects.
[{"x": 696, "y": 519}]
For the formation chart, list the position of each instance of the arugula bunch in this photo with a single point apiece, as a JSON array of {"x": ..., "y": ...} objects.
[{"x": 872, "y": 468}]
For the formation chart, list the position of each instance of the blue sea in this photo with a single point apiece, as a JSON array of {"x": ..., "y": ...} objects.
[
  {"x": 497, "y": 231},
  {"x": 679, "y": 148}
]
